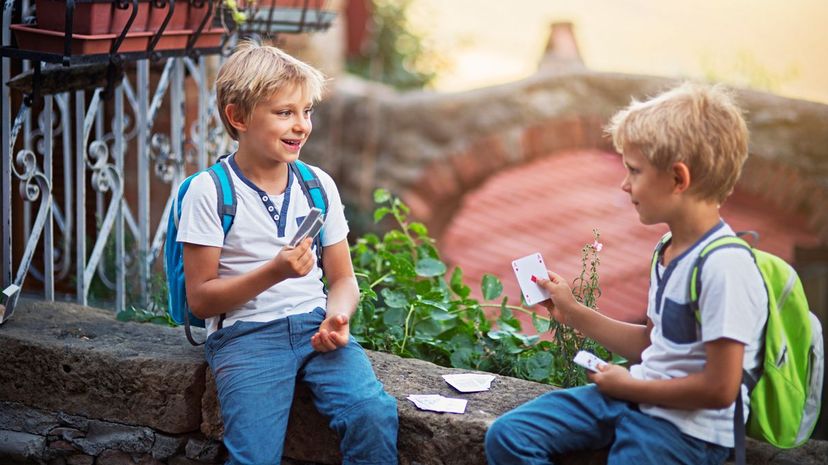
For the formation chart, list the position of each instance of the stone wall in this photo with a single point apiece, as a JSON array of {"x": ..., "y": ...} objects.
[
  {"x": 78, "y": 387},
  {"x": 432, "y": 148}
]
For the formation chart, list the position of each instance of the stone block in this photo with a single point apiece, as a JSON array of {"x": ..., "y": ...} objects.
[
  {"x": 15, "y": 445},
  {"x": 83, "y": 459},
  {"x": 105, "y": 435},
  {"x": 114, "y": 457},
  {"x": 80, "y": 360}
]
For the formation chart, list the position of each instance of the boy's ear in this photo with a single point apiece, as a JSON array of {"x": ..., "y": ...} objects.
[
  {"x": 681, "y": 177},
  {"x": 234, "y": 117}
]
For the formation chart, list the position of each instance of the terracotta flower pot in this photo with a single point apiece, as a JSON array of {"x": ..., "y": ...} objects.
[
  {"x": 198, "y": 9},
  {"x": 179, "y": 17},
  {"x": 91, "y": 18}
]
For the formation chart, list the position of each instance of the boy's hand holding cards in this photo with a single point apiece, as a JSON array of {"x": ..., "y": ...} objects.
[
  {"x": 310, "y": 227},
  {"x": 525, "y": 268},
  {"x": 588, "y": 360}
]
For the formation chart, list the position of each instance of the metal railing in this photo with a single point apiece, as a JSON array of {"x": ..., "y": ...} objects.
[{"x": 75, "y": 153}]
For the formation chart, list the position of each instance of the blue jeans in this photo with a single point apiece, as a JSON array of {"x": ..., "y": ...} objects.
[
  {"x": 570, "y": 420},
  {"x": 256, "y": 366}
]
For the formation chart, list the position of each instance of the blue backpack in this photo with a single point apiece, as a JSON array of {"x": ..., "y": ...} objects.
[{"x": 174, "y": 251}]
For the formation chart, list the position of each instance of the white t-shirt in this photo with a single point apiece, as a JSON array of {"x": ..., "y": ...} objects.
[
  {"x": 733, "y": 305},
  {"x": 263, "y": 224}
]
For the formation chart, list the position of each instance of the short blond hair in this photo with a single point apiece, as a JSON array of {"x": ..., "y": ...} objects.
[
  {"x": 255, "y": 72},
  {"x": 699, "y": 125}
]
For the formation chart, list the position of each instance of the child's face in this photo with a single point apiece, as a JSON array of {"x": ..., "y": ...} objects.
[
  {"x": 650, "y": 189},
  {"x": 279, "y": 126}
]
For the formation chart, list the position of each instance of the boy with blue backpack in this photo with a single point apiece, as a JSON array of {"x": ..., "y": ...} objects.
[
  {"x": 728, "y": 329},
  {"x": 270, "y": 319}
]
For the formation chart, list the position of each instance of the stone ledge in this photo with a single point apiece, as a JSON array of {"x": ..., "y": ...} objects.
[{"x": 80, "y": 361}]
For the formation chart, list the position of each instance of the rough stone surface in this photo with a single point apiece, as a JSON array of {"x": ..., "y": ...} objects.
[
  {"x": 165, "y": 446},
  {"x": 34, "y": 433},
  {"x": 82, "y": 361},
  {"x": 115, "y": 457},
  {"x": 21, "y": 446},
  {"x": 103, "y": 435},
  {"x": 81, "y": 459}
]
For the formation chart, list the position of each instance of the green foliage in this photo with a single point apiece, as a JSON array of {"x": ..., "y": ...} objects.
[
  {"x": 410, "y": 308},
  {"x": 586, "y": 290},
  {"x": 396, "y": 54}
]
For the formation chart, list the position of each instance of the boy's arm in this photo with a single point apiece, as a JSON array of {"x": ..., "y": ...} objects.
[
  {"x": 626, "y": 339},
  {"x": 208, "y": 295},
  {"x": 715, "y": 387},
  {"x": 343, "y": 296}
]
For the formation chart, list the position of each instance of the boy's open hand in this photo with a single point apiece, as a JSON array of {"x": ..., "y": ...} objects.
[
  {"x": 333, "y": 333},
  {"x": 612, "y": 380},
  {"x": 561, "y": 296},
  {"x": 295, "y": 262}
]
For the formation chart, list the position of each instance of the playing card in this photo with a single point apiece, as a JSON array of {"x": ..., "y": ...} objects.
[
  {"x": 309, "y": 227},
  {"x": 525, "y": 268}
]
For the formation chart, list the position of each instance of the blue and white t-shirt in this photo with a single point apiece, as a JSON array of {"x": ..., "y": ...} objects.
[
  {"x": 263, "y": 224},
  {"x": 733, "y": 305}
]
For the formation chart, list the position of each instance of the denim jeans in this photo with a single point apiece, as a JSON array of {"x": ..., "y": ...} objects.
[
  {"x": 256, "y": 366},
  {"x": 582, "y": 418}
]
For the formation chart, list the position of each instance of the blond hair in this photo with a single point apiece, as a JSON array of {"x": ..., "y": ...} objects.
[
  {"x": 255, "y": 72},
  {"x": 698, "y": 125}
]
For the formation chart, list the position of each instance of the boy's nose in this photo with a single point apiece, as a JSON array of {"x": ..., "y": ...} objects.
[
  {"x": 302, "y": 125},
  {"x": 625, "y": 185}
]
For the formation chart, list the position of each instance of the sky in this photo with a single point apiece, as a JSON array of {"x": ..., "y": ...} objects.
[{"x": 774, "y": 45}]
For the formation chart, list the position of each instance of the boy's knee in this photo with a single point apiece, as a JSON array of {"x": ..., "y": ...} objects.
[
  {"x": 378, "y": 412},
  {"x": 498, "y": 442}
]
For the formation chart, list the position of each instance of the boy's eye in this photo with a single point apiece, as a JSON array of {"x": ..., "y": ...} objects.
[{"x": 308, "y": 111}]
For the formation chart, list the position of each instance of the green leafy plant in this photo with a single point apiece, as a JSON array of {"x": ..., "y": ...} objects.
[
  {"x": 586, "y": 290},
  {"x": 410, "y": 307}
]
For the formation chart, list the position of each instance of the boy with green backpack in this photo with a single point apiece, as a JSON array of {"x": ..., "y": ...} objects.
[{"x": 721, "y": 339}]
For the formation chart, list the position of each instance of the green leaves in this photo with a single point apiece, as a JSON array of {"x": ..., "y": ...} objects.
[
  {"x": 491, "y": 287},
  {"x": 411, "y": 307},
  {"x": 429, "y": 267}
]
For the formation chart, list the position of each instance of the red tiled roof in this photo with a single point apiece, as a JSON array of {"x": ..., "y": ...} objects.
[{"x": 551, "y": 206}]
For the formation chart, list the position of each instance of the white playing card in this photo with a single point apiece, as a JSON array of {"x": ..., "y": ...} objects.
[{"x": 525, "y": 268}]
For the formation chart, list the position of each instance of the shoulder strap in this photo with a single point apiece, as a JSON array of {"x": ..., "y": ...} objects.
[
  {"x": 665, "y": 239},
  {"x": 226, "y": 194},
  {"x": 315, "y": 194},
  {"x": 311, "y": 185},
  {"x": 695, "y": 284},
  {"x": 226, "y": 207}
]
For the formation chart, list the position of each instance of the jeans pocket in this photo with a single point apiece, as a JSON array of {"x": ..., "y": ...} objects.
[
  {"x": 678, "y": 323},
  {"x": 219, "y": 338}
]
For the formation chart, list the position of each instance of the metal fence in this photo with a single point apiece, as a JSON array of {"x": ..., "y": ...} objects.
[{"x": 68, "y": 150}]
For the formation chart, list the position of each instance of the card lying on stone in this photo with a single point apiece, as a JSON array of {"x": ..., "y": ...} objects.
[
  {"x": 469, "y": 382},
  {"x": 438, "y": 403},
  {"x": 525, "y": 268}
]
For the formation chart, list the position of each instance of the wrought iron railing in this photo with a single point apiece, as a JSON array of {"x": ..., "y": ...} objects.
[{"x": 83, "y": 147}]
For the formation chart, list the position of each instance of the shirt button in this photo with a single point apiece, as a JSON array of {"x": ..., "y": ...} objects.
[
  {"x": 264, "y": 197},
  {"x": 275, "y": 217},
  {"x": 270, "y": 208}
]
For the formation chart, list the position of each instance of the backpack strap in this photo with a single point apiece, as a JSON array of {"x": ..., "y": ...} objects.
[
  {"x": 695, "y": 284},
  {"x": 226, "y": 205},
  {"x": 226, "y": 195},
  {"x": 315, "y": 194},
  {"x": 748, "y": 379},
  {"x": 311, "y": 185},
  {"x": 659, "y": 249}
]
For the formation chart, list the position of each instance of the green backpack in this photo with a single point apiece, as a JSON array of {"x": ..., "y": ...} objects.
[{"x": 785, "y": 397}]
